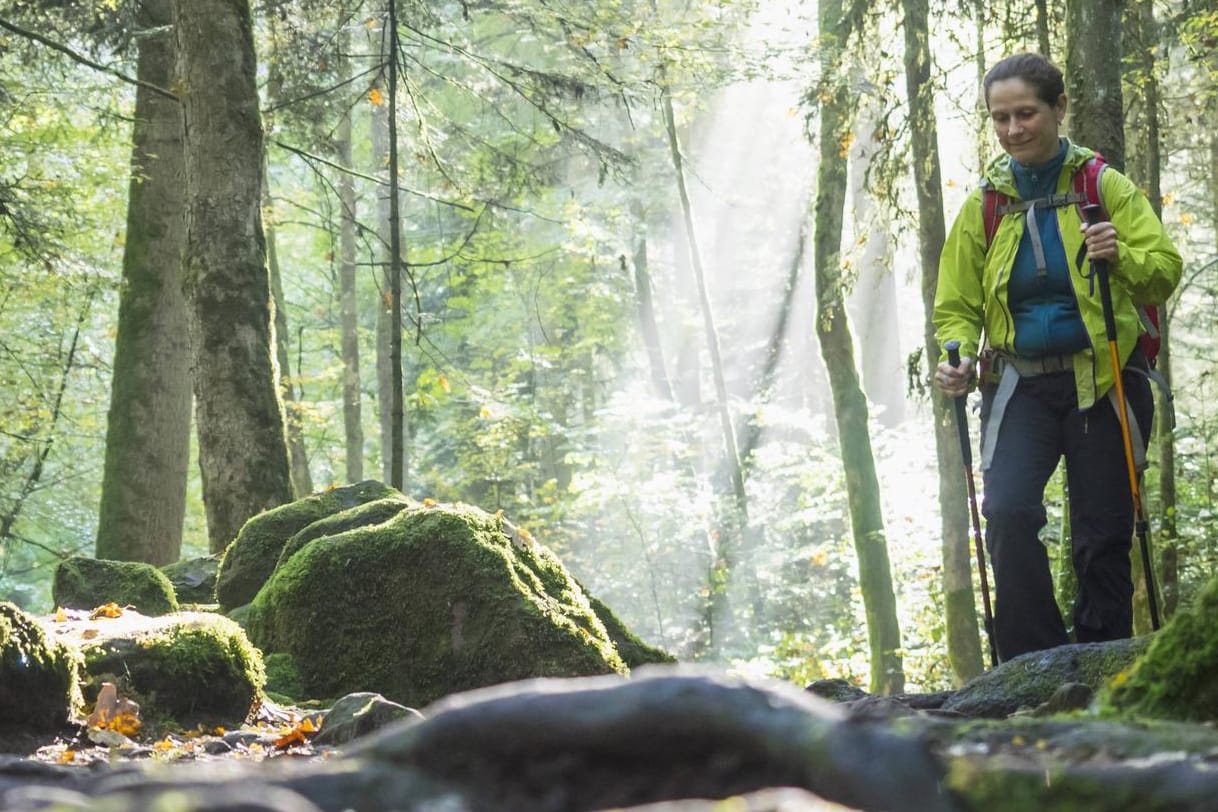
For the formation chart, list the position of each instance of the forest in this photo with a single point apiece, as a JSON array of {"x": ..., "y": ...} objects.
[{"x": 651, "y": 278}]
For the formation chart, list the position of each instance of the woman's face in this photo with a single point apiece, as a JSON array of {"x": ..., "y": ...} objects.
[{"x": 1027, "y": 127}]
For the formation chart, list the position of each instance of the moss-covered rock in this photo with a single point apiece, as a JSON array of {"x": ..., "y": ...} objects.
[
  {"x": 194, "y": 579},
  {"x": 86, "y": 583},
  {"x": 39, "y": 676},
  {"x": 375, "y": 512},
  {"x": 435, "y": 600},
  {"x": 185, "y": 669},
  {"x": 1177, "y": 677},
  {"x": 1031, "y": 679},
  {"x": 633, "y": 651},
  {"x": 251, "y": 558}
]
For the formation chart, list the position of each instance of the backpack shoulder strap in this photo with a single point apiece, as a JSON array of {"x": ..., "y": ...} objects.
[
  {"x": 1087, "y": 184},
  {"x": 993, "y": 203}
]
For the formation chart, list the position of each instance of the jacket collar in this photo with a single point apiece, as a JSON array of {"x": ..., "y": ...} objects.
[{"x": 1000, "y": 177}]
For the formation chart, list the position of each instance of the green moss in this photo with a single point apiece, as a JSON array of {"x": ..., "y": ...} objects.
[
  {"x": 86, "y": 583},
  {"x": 193, "y": 668},
  {"x": 375, "y": 512},
  {"x": 1177, "y": 678},
  {"x": 435, "y": 600},
  {"x": 282, "y": 677},
  {"x": 251, "y": 558},
  {"x": 633, "y": 651},
  {"x": 39, "y": 676}
]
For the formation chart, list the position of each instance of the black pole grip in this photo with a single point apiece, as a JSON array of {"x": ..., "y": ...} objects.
[
  {"x": 1093, "y": 212},
  {"x": 966, "y": 450},
  {"x": 953, "y": 352}
]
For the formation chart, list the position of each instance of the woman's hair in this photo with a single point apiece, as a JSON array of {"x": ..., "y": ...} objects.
[{"x": 1036, "y": 70}]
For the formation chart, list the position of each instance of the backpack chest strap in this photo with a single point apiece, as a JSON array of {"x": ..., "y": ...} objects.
[{"x": 1051, "y": 202}]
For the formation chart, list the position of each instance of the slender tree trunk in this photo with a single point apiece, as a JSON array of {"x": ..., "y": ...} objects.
[
  {"x": 837, "y": 348},
  {"x": 1042, "y": 28},
  {"x": 348, "y": 321},
  {"x": 737, "y": 518},
  {"x": 960, "y": 609},
  {"x": 1093, "y": 76},
  {"x": 298, "y": 458},
  {"x": 1146, "y": 170},
  {"x": 397, "y": 411},
  {"x": 379, "y": 125},
  {"x": 873, "y": 296},
  {"x": 647, "y": 312},
  {"x": 242, "y": 445},
  {"x": 143, "y": 501}
]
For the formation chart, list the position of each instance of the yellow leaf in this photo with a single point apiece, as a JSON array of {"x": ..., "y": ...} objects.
[
  {"x": 60, "y": 615},
  {"x": 1186, "y": 218},
  {"x": 376, "y": 97},
  {"x": 110, "y": 610},
  {"x": 1168, "y": 198},
  {"x": 429, "y": 502},
  {"x": 443, "y": 379},
  {"x": 89, "y": 634},
  {"x": 163, "y": 745},
  {"x": 66, "y": 756}
]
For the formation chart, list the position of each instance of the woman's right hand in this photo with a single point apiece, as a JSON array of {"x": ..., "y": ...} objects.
[{"x": 955, "y": 381}]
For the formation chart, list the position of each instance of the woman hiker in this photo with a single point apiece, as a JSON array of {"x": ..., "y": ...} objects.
[{"x": 1047, "y": 371}]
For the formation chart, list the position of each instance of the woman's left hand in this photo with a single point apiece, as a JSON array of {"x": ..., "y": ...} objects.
[{"x": 1101, "y": 240}]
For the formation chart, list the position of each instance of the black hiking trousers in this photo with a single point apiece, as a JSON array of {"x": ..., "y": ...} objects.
[{"x": 1042, "y": 423}]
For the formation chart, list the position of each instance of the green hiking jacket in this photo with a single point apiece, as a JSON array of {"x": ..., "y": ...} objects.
[{"x": 972, "y": 289}]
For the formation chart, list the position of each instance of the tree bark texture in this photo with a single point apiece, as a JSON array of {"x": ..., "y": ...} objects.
[
  {"x": 1093, "y": 76},
  {"x": 837, "y": 349},
  {"x": 143, "y": 499},
  {"x": 379, "y": 140},
  {"x": 243, "y": 452},
  {"x": 960, "y": 609}
]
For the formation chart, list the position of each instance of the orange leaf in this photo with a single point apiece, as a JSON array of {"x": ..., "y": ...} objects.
[
  {"x": 295, "y": 737},
  {"x": 429, "y": 502},
  {"x": 376, "y": 97},
  {"x": 107, "y": 610},
  {"x": 66, "y": 756}
]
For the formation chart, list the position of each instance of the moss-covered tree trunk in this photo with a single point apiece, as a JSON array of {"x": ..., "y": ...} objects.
[
  {"x": 243, "y": 452},
  {"x": 1093, "y": 76},
  {"x": 348, "y": 322},
  {"x": 960, "y": 610},
  {"x": 143, "y": 500},
  {"x": 837, "y": 349}
]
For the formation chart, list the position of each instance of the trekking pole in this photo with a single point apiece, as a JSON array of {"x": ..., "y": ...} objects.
[
  {"x": 966, "y": 451},
  {"x": 1100, "y": 267}
]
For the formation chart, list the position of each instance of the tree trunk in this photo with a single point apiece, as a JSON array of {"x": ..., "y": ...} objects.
[
  {"x": 379, "y": 140},
  {"x": 298, "y": 458},
  {"x": 348, "y": 321},
  {"x": 837, "y": 348},
  {"x": 143, "y": 501},
  {"x": 647, "y": 312},
  {"x": 242, "y": 446},
  {"x": 397, "y": 410},
  {"x": 960, "y": 609},
  {"x": 1146, "y": 166},
  {"x": 1042, "y": 28},
  {"x": 1093, "y": 76},
  {"x": 873, "y": 296},
  {"x": 736, "y": 518}
]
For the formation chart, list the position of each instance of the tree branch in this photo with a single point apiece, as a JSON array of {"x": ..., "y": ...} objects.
[{"x": 84, "y": 60}]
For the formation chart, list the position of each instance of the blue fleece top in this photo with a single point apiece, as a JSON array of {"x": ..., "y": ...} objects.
[{"x": 1047, "y": 320}]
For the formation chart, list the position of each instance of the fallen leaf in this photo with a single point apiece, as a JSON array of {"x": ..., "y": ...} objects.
[{"x": 110, "y": 610}]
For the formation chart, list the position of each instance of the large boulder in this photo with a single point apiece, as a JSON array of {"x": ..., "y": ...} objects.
[
  {"x": 1177, "y": 678},
  {"x": 39, "y": 676},
  {"x": 186, "y": 669},
  {"x": 435, "y": 600},
  {"x": 251, "y": 558},
  {"x": 194, "y": 579},
  {"x": 85, "y": 583}
]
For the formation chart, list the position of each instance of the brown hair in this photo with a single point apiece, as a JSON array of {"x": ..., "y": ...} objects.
[{"x": 1036, "y": 70}]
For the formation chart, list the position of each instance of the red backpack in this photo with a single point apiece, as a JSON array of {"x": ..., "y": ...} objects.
[{"x": 1086, "y": 191}]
